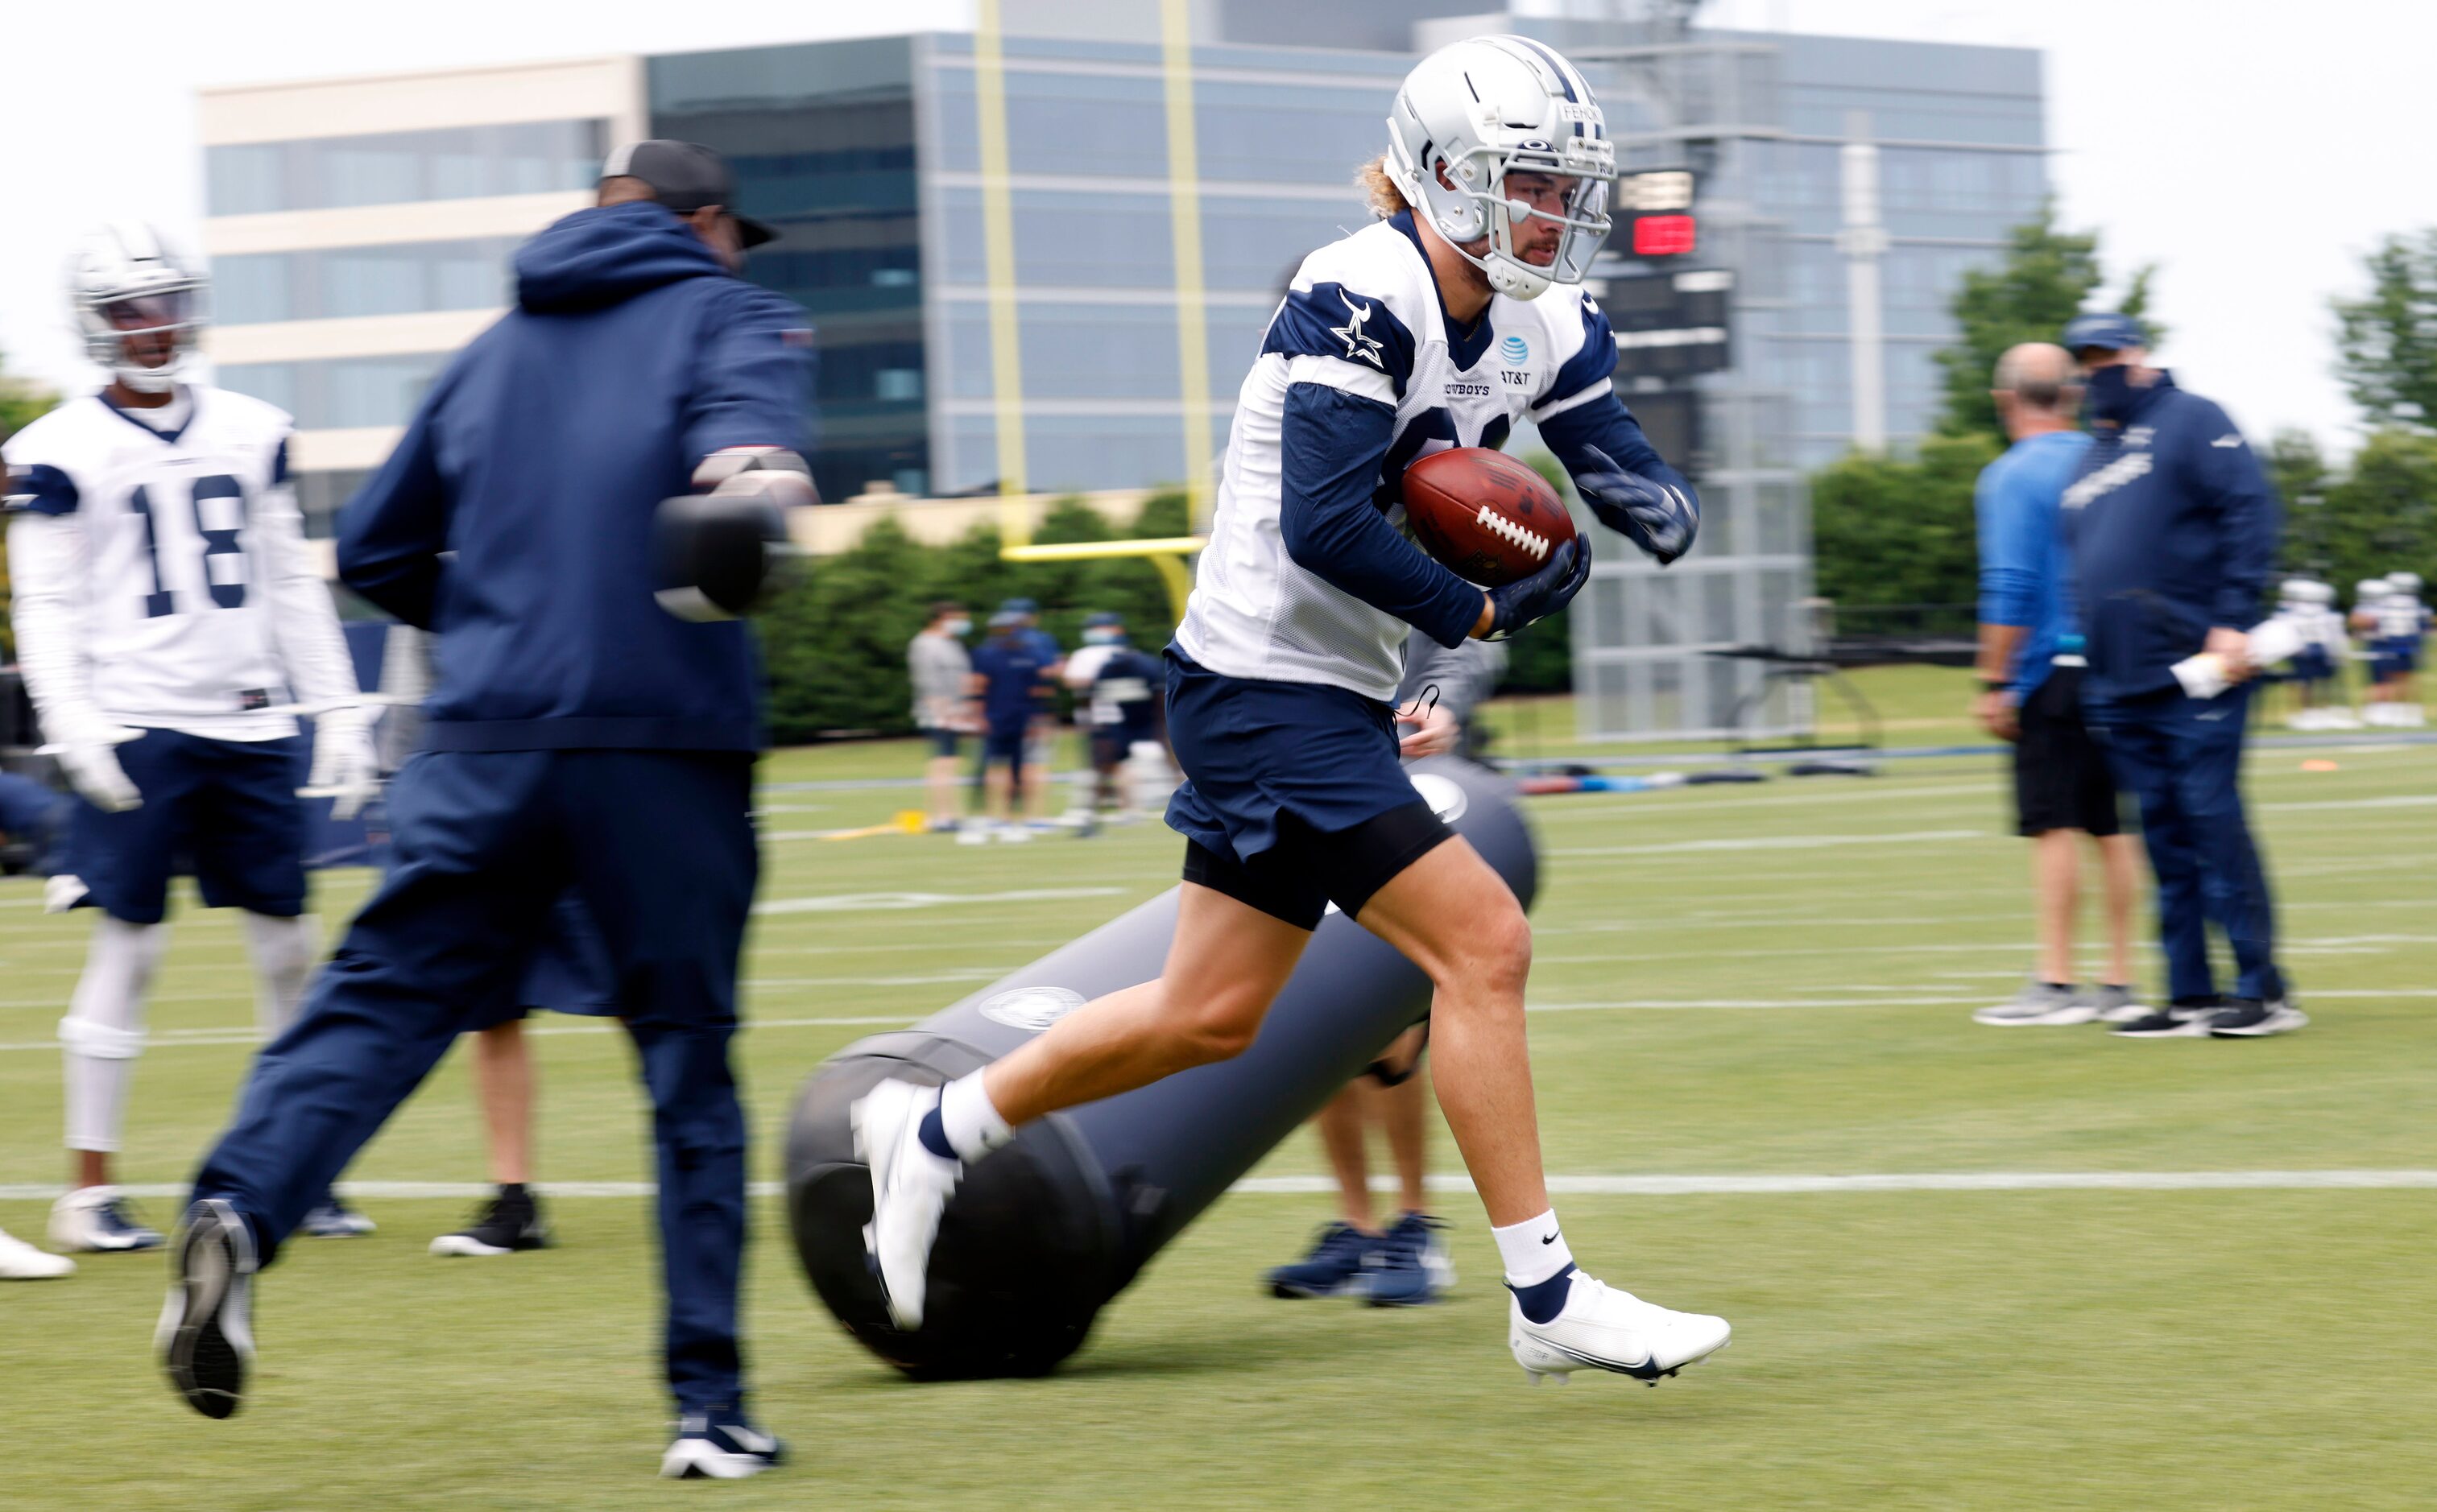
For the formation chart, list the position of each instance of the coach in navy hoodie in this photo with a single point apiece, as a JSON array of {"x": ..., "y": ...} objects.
[
  {"x": 2174, "y": 531},
  {"x": 579, "y": 739}
]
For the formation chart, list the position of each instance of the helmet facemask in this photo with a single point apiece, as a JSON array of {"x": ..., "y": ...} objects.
[
  {"x": 145, "y": 338},
  {"x": 1462, "y": 191}
]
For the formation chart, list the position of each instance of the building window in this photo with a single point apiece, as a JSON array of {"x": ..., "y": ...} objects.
[
  {"x": 405, "y": 278},
  {"x": 404, "y": 167},
  {"x": 339, "y": 393}
]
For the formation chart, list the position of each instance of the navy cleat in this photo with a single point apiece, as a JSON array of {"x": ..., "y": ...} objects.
[
  {"x": 717, "y": 1444},
  {"x": 1414, "y": 1267},
  {"x": 205, "y": 1337},
  {"x": 333, "y": 1219},
  {"x": 99, "y": 1221},
  {"x": 1341, "y": 1260}
]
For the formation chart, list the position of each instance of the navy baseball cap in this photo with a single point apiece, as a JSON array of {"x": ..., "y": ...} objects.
[
  {"x": 686, "y": 177},
  {"x": 1102, "y": 619},
  {"x": 1005, "y": 618},
  {"x": 1019, "y": 606},
  {"x": 2108, "y": 331}
]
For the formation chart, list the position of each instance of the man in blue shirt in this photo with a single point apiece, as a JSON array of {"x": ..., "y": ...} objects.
[
  {"x": 2174, "y": 528},
  {"x": 2030, "y": 673},
  {"x": 581, "y": 739},
  {"x": 1012, "y": 678}
]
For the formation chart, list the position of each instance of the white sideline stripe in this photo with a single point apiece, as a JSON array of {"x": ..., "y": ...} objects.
[
  {"x": 1683, "y": 848},
  {"x": 862, "y": 902},
  {"x": 2369, "y": 1180},
  {"x": 2407, "y": 800},
  {"x": 1897, "y": 998}
]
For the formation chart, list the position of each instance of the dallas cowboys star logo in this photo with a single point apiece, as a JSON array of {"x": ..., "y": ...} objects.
[{"x": 1357, "y": 343}]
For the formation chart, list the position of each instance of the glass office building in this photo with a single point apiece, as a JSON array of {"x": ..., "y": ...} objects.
[{"x": 350, "y": 266}]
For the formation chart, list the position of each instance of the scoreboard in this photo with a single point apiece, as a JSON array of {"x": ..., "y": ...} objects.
[{"x": 1654, "y": 212}]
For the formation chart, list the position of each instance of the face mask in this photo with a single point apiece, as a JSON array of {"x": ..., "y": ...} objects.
[
  {"x": 958, "y": 627},
  {"x": 1101, "y": 637},
  {"x": 2110, "y": 391}
]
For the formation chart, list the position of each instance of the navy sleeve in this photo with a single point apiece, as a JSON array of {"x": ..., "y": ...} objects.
[
  {"x": 754, "y": 384},
  {"x": 1330, "y": 447},
  {"x": 1606, "y": 424},
  {"x": 42, "y": 488},
  {"x": 391, "y": 534},
  {"x": 1328, "y": 320},
  {"x": 2250, "y": 519}
]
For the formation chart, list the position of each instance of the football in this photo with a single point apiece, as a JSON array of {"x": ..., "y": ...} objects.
[{"x": 1483, "y": 514}]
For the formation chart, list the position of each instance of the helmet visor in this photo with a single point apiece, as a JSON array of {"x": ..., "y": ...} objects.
[{"x": 167, "y": 309}]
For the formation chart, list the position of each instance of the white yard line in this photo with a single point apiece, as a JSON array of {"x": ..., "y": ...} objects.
[
  {"x": 1583, "y": 1185},
  {"x": 1683, "y": 848}
]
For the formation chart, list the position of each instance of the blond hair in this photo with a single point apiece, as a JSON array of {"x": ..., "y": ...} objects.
[{"x": 1378, "y": 187}]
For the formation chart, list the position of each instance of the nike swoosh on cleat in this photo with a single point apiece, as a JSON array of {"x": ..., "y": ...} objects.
[{"x": 1647, "y": 1370}]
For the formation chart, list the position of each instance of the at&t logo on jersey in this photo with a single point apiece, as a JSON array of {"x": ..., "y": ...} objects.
[{"x": 1516, "y": 351}]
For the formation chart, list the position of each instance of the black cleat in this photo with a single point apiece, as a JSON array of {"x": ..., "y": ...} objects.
[
  {"x": 719, "y": 1445},
  {"x": 508, "y": 1223},
  {"x": 206, "y": 1331}
]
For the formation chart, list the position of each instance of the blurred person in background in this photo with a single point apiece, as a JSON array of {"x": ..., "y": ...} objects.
[
  {"x": 1119, "y": 705},
  {"x": 2030, "y": 671},
  {"x": 2396, "y": 623},
  {"x": 1406, "y": 1262},
  {"x": 2174, "y": 528},
  {"x": 1013, "y": 680},
  {"x": 1041, "y": 743},
  {"x": 2315, "y": 669},
  {"x": 941, "y": 672}
]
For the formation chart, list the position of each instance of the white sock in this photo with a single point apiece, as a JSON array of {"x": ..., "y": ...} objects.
[
  {"x": 283, "y": 953},
  {"x": 970, "y": 1121},
  {"x": 1532, "y": 1250},
  {"x": 104, "y": 1029}
]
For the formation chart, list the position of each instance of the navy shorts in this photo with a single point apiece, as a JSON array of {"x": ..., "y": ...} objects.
[
  {"x": 943, "y": 740},
  {"x": 225, "y": 809},
  {"x": 566, "y": 972},
  {"x": 1287, "y": 768},
  {"x": 2310, "y": 664},
  {"x": 1005, "y": 745}
]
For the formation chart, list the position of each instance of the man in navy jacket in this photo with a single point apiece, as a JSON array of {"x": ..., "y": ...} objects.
[
  {"x": 2174, "y": 530},
  {"x": 580, "y": 739}
]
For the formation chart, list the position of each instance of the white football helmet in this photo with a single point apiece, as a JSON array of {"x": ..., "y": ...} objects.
[
  {"x": 1485, "y": 107},
  {"x": 2368, "y": 591},
  {"x": 126, "y": 284},
  {"x": 2310, "y": 590},
  {"x": 2403, "y": 584}
]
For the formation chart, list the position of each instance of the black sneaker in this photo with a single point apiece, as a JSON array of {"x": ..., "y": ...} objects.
[
  {"x": 205, "y": 1337},
  {"x": 508, "y": 1223},
  {"x": 2250, "y": 1018},
  {"x": 2186, "y": 1019}
]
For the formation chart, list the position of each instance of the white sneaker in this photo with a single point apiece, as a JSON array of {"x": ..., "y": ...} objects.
[
  {"x": 1600, "y": 1328},
  {"x": 97, "y": 1221},
  {"x": 2039, "y": 1003},
  {"x": 1015, "y": 834},
  {"x": 972, "y": 833},
  {"x": 2340, "y": 717},
  {"x": 910, "y": 1188},
  {"x": 21, "y": 1262}
]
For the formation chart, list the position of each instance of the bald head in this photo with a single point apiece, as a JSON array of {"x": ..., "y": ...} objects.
[{"x": 2035, "y": 389}]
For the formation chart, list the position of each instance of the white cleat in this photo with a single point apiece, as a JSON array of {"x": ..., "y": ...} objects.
[
  {"x": 21, "y": 1262},
  {"x": 1600, "y": 1328},
  {"x": 910, "y": 1188},
  {"x": 97, "y": 1221}
]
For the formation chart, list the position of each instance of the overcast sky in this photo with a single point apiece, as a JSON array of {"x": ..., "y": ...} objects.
[{"x": 2253, "y": 149}]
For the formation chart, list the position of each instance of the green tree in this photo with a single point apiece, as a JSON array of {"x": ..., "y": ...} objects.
[
  {"x": 2386, "y": 344},
  {"x": 2382, "y": 515},
  {"x": 2047, "y": 276},
  {"x": 1892, "y": 530},
  {"x": 2301, "y": 475},
  {"x": 21, "y": 403}
]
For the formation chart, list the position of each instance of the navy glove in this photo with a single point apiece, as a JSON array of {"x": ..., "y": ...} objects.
[
  {"x": 1658, "y": 517},
  {"x": 1536, "y": 597}
]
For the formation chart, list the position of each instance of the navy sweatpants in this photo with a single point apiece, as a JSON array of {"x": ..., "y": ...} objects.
[
  {"x": 659, "y": 845},
  {"x": 2181, "y": 757}
]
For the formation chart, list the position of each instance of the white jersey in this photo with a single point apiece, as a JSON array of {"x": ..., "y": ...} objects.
[
  {"x": 2318, "y": 625},
  {"x": 1363, "y": 316},
  {"x": 187, "y": 545},
  {"x": 2400, "y": 618}
]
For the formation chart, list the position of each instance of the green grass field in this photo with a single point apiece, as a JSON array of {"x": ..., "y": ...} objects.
[{"x": 1761, "y": 981}]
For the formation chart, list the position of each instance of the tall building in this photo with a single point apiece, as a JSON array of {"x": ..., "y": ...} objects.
[
  {"x": 1047, "y": 255},
  {"x": 359, "y": 231}
]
